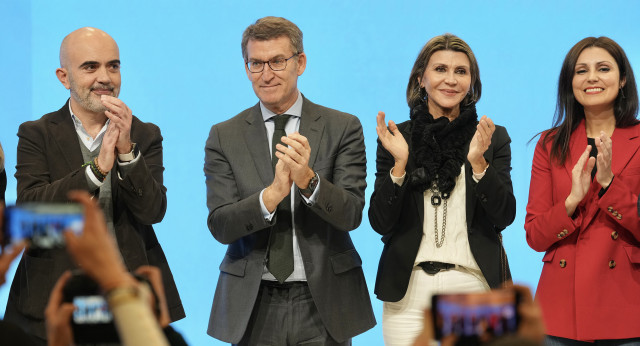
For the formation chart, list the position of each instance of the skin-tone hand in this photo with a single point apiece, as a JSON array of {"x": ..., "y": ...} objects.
[
  {"x": 279, "y": 188},
  {"x": 480, "y": 143},
  {"x": 95, "y": 250},
  {"x": 154, "y": 276},
  {"x": 107, "y": 154},
  {"x": 580, "y": 181},
  {"x": 393, "y": 141},
  {"x": 58, "y": 315},
  {"x": 604, "y": 174},
  {"x": 531, "y": 323},
  {"x": 296, "y": 157},
  {"x": 120, "y": 115}
]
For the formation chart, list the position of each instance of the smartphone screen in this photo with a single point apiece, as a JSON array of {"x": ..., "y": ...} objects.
[
  {"x": 475, "y": 315},
  {"x": 91, "y": 310},
  {"x": 42, "y": 224}
]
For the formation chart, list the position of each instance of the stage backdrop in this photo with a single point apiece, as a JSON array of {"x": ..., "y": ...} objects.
[{"x": 182, "y": 69}]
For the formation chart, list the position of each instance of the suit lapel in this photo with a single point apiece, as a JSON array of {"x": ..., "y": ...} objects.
[
  {"x": 418, "y": 196},
  {"x": 255, "y": 136},
  {"x": 311, "y": 126},
  {"x": 577, "y": 145},
  {"x": 625, "y": 142},
  {"x": 65, "y": 136}
]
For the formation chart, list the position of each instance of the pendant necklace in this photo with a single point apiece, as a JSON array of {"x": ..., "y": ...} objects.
[{"x": 436, "y": 200}]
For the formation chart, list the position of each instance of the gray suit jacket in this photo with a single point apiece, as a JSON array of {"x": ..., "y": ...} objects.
[
  {"x": 49, "y": 166},
  {"x": 237, "y": 168}
]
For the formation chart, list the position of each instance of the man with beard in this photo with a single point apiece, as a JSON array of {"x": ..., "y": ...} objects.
[{"x": 92, "y": 143}]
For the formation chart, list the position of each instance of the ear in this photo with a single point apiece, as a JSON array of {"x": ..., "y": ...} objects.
[
  {"x": 623, "y": 82},
  {"x": 302, "y": 63},
  {"x": 420, "y": 83},
  {"x": 63, "y": 77},
  {"x": 246, "y": 70}
]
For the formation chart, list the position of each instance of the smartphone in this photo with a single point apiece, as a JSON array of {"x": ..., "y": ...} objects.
[
  {"x": 41, "y": 224},
  {"x": 475, "y": 317},
  {"x": 92, "y": 321}
]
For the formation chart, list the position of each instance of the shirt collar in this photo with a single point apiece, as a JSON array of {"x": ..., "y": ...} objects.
[
  {"x": 78, "y": 124},
  {"x": 295, "y": 110}
]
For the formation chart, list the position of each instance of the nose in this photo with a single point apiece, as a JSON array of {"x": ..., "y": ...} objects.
[
  {"x": 103, "y": 76},
  {"x": 451, "y": 78},
  {"x": 267, "y": 73},
  {"x": 592, "y": 75}
]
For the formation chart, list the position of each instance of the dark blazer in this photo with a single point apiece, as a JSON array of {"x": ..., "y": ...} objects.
[
  {"x": 590, "y": 278},
  {"x": 49, "y": 164},
  {"x": 237, "y": 168},
  {"x": 397, "y": 213}
]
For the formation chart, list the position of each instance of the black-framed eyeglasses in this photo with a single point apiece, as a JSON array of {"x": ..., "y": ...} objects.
[{"x": 277, "y": 64}]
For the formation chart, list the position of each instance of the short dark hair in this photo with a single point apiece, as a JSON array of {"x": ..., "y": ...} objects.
[
  {"x": 569, "y": 112},
  {"x": 416, "y": 94},
  {"x": 269, "y": 28}
]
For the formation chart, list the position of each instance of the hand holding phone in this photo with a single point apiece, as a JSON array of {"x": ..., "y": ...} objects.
[
  {"x": 41, "y": 225},
  {"x": 476, "y": 317}
]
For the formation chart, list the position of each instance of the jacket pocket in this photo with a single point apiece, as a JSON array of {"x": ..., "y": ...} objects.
[
  {"x": 548, "y": 256},
  {"x": 233, "y": 266},
  {"x": 345, "y": 261},
  {"x": 633, "y": 253}
]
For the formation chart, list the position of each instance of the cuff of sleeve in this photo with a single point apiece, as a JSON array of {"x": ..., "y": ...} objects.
[
  {"x": 397, "y": 180},
  {"x": 92, "y": 178},
  {"x": 314, "y": 196},
  {"x": 265, "y": 213},
  {"x": 124, "y": 167}
]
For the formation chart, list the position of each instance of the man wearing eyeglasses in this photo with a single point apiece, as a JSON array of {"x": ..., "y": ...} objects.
[{"x": 285, "y": 185}]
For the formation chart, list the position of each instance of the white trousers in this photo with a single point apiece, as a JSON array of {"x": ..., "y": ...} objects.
[{"x": 402, "y": 321}]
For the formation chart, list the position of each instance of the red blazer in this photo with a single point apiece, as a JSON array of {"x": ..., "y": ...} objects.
[{"x": 590, "y": 283}]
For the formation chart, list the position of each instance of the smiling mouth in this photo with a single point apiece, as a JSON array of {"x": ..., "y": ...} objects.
[
  {"x": 102, "y": 91},
  {"x": 593, "y": 90}
]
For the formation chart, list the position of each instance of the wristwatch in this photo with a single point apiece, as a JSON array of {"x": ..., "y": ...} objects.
[
  {"x": 130, "y": 155},
  {"x": 313, "y": 183}
]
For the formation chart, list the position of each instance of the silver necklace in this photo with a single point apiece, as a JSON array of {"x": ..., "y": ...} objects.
[{"x": 436, "y": 200}]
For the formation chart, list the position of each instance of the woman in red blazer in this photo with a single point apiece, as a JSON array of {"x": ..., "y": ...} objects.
[{"x": 582, "y": 208}]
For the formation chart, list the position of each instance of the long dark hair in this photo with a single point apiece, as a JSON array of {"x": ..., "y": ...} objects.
[{"x": 569, "y": 112}]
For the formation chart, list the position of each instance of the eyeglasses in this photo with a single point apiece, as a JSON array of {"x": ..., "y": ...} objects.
[{"x": 277, "y": 64}]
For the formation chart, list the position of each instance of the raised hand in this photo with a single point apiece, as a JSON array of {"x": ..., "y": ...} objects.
[
  {"x": 296, "y": 156},
  {"x": 121, "y": 116},
  {"x": 480, "y": 143},
  {"x": 580, "y": 180},
  {"x": 107, "y": 155},
  {"x": 279, "y": 188},
  {"x": 604, "y": 175},
  {"x": 393, "y": 141}
]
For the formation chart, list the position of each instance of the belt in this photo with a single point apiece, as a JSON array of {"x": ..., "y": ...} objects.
[
  {"x": 433, "y": 268},
  {"x": 284, "y": 285}
]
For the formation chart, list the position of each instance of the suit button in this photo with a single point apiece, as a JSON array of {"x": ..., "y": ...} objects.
[
  {"x": 140, "y": 192},
  {"x": 612, "y": 264},
  {"x": 615, "y": 213},
  {"x": 249, "y": 227},
  {"x": 329, "y": 208},
  {"x": 390, "y": 201},
  {"x": 619, "y": 216},
  {"x": 610, "y": 208},
  {"x": 563, "y": 263},
  {"x": 614, "y": 235},
  {"x": 559, "y": 235}
]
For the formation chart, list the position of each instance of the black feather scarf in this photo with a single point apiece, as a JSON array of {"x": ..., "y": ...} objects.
[{"x": 439, "y": 147}]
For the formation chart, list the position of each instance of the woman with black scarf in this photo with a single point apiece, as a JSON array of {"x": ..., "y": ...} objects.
[{"x": 442, "y": 193}]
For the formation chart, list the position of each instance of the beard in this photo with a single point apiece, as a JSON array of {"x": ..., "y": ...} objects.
[{"x": 87, "y": 99}]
